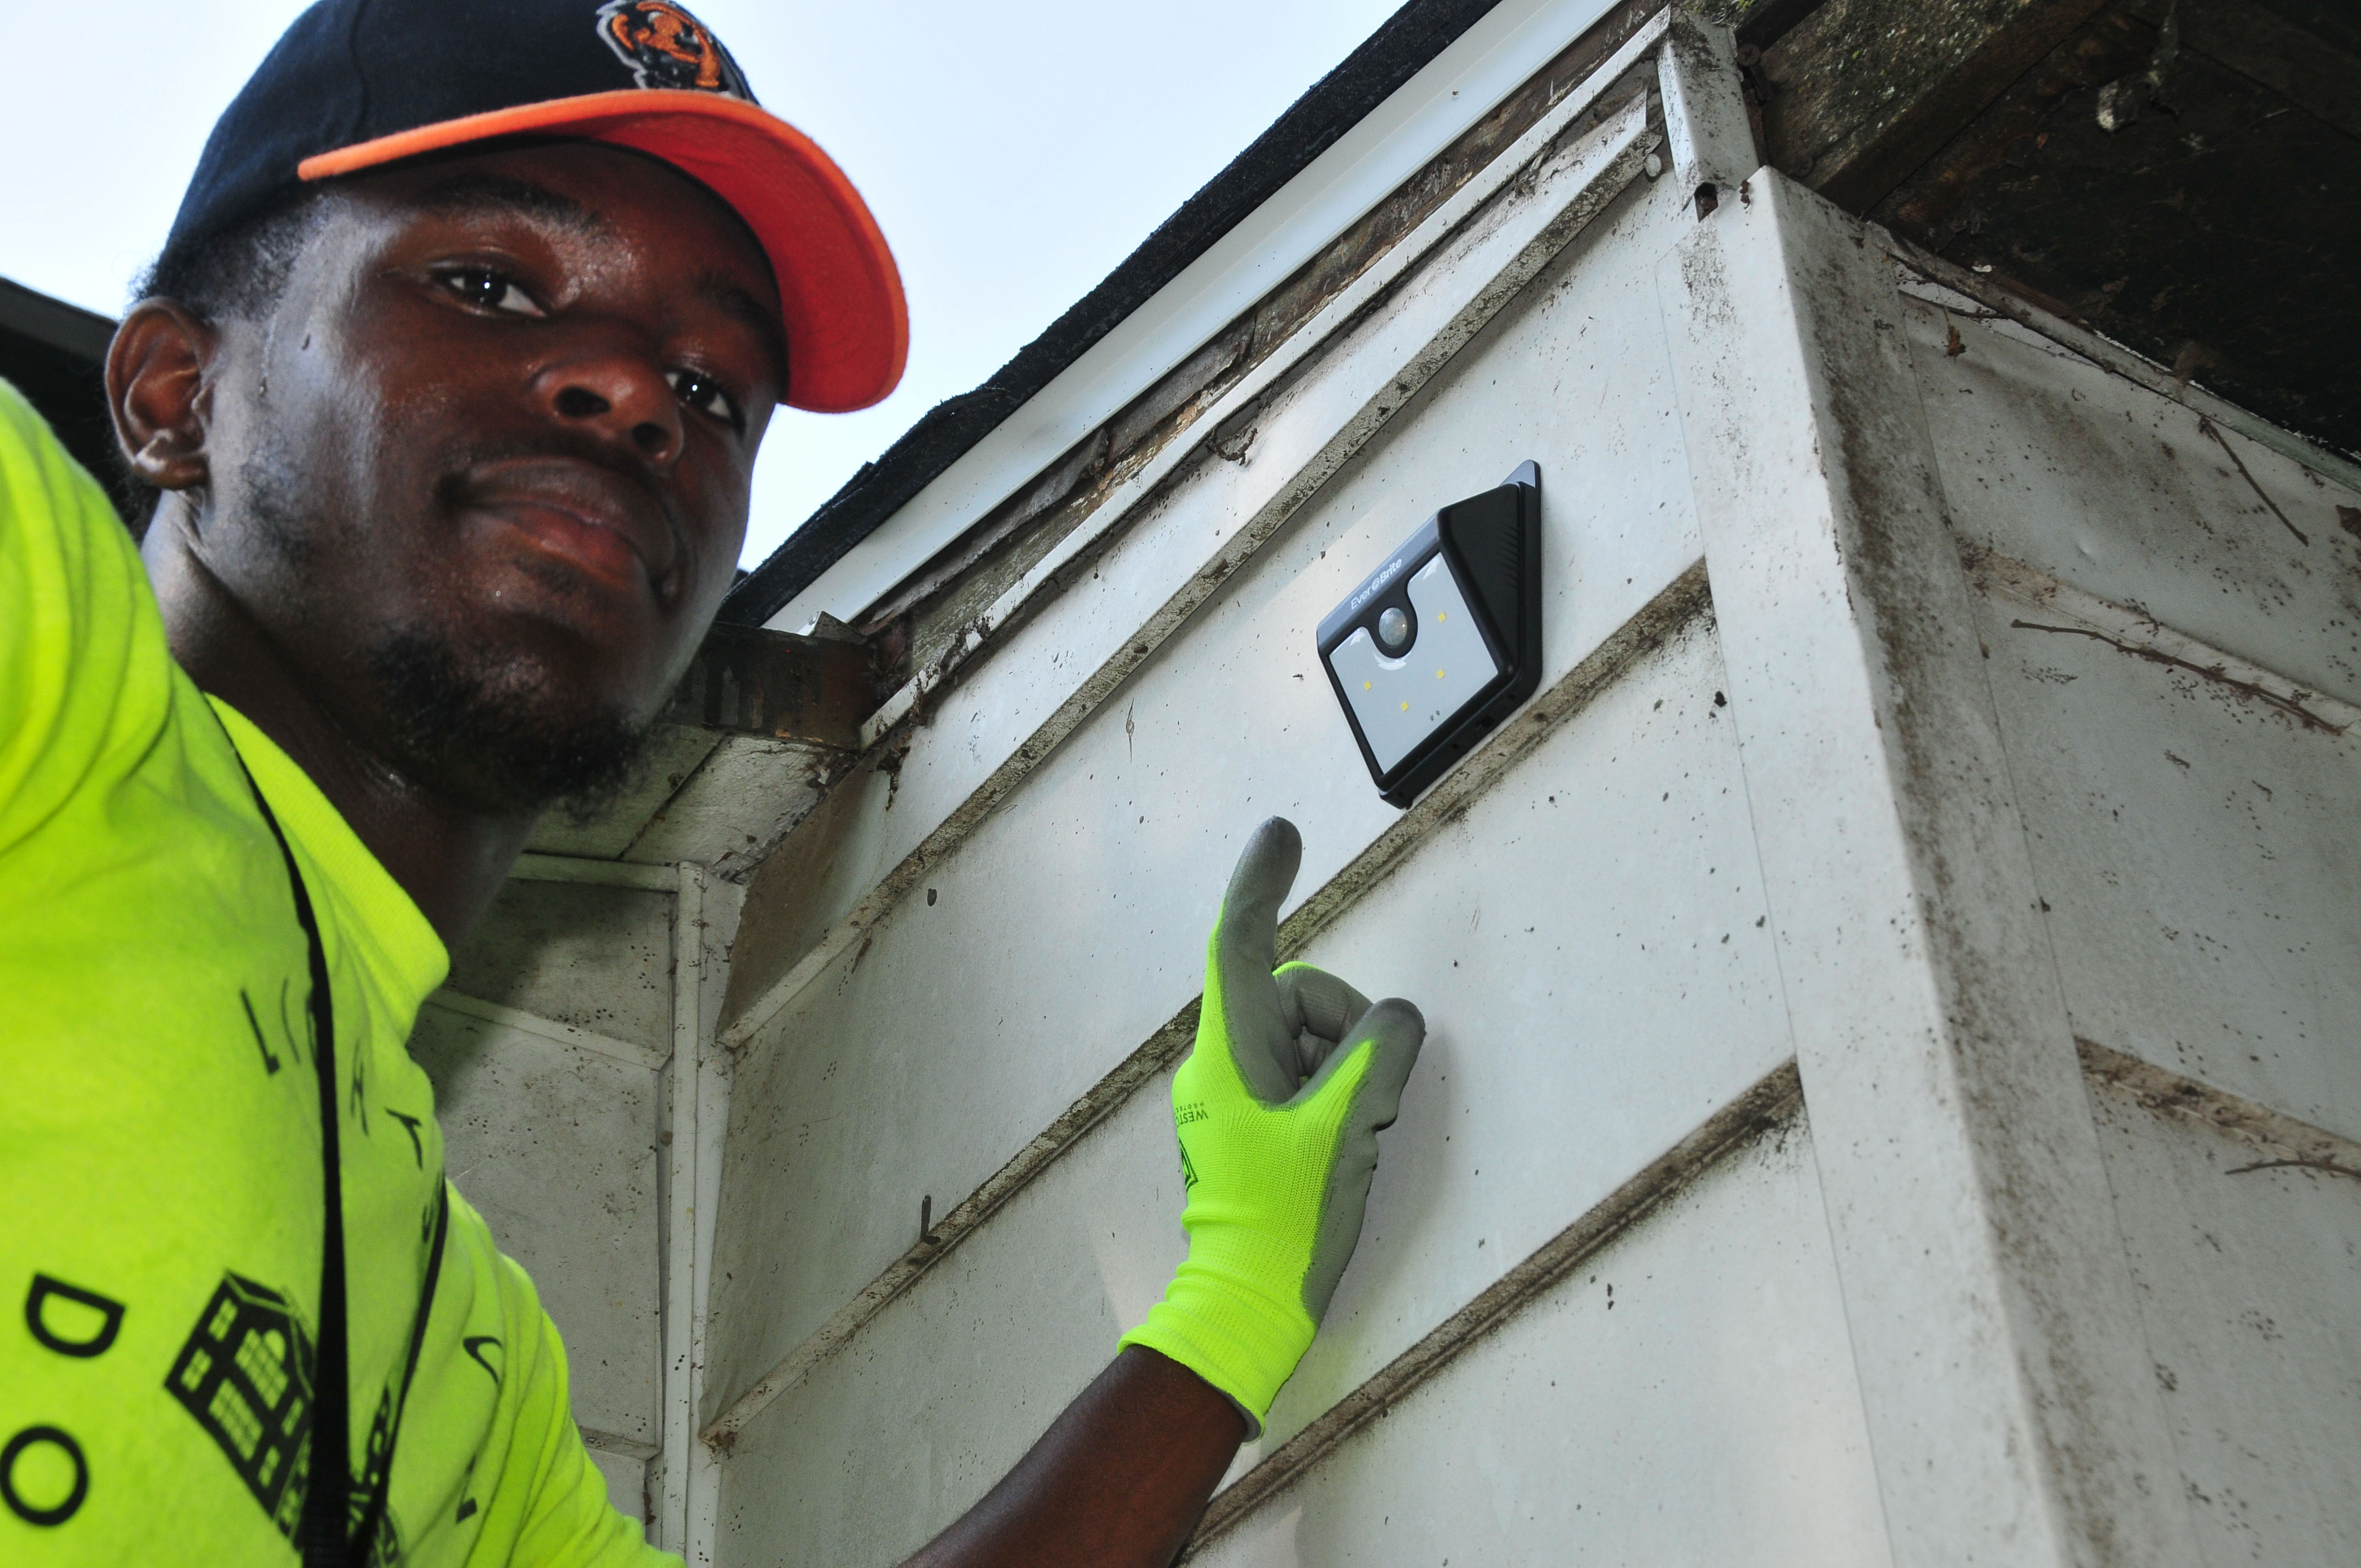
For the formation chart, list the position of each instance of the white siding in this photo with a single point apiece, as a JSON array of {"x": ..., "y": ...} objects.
[
  {"x": 627, "y": 1482},
  {"x": 1686, "y": 1396},
  {"x": 1308, "y": 441},
  {"x": 597, "y": 958},
  {"x": 2199, "y": 855},
  {"x": 549, "y": 1054},
  {"x": 556, "y": 1147},
  {"x": 890, "y": 1439},
  {"x": 1707, "y": 1415},
  {"x": 1069, "y": 928},
  {"x": 1585, "y": 1013},
  {"x": 2250, "y": 1288},
  {"x": 2049, "y": 458},
  {"x": 1585, "y": 1009},
  {"x": 2012, "y": 1419}
]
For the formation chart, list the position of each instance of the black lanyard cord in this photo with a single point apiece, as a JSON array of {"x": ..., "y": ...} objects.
[
  {"x": 327, "y": 1535},
  {"x": 381, "y": 1479},
  {"x": 320, "y": 1529}
]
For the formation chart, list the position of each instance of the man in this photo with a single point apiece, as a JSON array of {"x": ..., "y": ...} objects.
[{"x": 448, "y": 386}]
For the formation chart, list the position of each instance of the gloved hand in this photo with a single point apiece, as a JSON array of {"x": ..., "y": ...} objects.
[{"x": 1278, "y": 1109}]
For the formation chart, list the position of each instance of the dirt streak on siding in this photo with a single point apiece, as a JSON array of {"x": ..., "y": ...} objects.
[
  {"x": 2280, "y": 1139},
  {"x": 2142, "y": 636}
]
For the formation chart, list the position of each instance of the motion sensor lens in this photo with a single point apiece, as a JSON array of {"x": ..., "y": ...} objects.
[{"x": 1393, "y": 629}]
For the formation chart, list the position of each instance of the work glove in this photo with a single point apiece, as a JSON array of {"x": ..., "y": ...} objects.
[{"x": 1278, "y": 1109}]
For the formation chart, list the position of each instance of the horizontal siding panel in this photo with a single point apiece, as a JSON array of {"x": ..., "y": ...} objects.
[
  {"x": 1069, "y": 928},
  {"x": 2196, "y": 849},
  {"x": 1585, "y": 945},
  {"x": 2101, "y": 483},
  {"x": 2250, "y": 1289},
  {"x": 555, "y": 1147}
]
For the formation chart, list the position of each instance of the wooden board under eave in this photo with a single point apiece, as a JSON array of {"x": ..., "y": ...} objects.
[{"x": 1865, "y": 91}]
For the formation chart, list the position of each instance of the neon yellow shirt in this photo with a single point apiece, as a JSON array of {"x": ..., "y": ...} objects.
[{"x": 161, "y": 1192}]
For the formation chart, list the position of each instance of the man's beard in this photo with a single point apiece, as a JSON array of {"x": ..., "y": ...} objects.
[{"x": 496, "y": 735}]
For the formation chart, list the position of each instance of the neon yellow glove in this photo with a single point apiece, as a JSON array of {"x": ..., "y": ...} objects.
[{"x": 1277, "y": 1109}]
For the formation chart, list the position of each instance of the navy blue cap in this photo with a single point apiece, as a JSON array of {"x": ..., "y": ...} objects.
[{"x": 356, "y": 84}]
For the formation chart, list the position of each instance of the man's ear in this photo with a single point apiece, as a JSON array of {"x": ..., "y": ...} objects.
[{"x": 157, "y": 391}]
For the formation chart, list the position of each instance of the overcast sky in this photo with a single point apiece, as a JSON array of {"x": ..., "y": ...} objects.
[{"x": 1014, "y": 153}]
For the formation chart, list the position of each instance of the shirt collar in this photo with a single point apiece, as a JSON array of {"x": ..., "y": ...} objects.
[{"x": 383, "y": 925}]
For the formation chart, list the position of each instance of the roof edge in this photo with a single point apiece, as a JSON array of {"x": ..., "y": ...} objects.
[
  {"x": 47, "y": 319},
  {"x": 1401, "y": 47}
]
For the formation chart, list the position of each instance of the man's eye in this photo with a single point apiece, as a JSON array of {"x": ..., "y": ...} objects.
[
  {"x": 704, "y": 394},
  {"x": 489, "y": 290}
]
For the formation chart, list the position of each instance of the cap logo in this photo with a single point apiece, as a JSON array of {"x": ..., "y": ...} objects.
[{"x": 666, "y": 47}]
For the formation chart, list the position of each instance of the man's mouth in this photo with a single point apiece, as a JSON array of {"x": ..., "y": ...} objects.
[{"x": 601, "y": 525}]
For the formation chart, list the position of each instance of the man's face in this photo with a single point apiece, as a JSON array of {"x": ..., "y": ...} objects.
[{"x": 482, "y": 473}]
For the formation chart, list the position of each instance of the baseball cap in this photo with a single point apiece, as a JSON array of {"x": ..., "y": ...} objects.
[{"x": 357, "y": 84}]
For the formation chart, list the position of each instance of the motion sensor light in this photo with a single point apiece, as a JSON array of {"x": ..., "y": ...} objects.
[{"x": 1444, "y": 640}]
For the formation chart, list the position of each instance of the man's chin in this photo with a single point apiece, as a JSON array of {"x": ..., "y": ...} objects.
[{"x": 501, "y": 736}]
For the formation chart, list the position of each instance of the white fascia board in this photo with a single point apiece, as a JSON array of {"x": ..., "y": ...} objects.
[{"x": 1389, "y": 143}]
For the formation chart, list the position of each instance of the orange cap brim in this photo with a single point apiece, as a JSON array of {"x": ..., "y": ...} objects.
[{"x": 848, "y": 327}]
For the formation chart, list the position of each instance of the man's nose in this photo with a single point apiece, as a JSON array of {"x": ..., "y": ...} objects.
[{"x": 621, "y": 398}]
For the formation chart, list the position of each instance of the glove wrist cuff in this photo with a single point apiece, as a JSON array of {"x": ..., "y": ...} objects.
[{"x": 1238, "y": 1340}]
